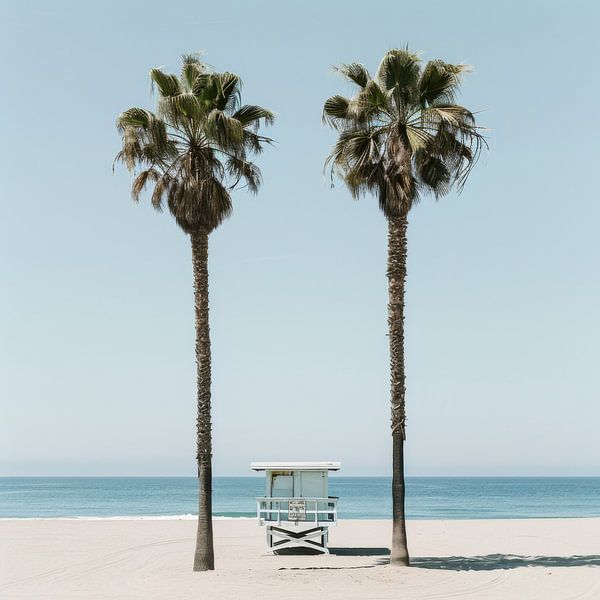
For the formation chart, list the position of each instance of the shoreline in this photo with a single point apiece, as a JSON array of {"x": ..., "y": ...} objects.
[{"x": 254, "y": 518}]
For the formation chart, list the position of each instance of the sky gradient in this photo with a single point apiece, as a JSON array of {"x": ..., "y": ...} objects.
[{"x": 97, "y": 336}]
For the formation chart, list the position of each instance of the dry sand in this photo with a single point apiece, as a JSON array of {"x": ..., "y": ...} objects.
[{"x": 502, "y": 560}]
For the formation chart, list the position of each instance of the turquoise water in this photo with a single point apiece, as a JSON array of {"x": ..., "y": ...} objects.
[{"x": 359, "y": 497}]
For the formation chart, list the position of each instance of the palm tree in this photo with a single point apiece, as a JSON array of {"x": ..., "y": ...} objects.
[
  {"x": 401, "y": 135},
  {"x": 193, "y": 151}
]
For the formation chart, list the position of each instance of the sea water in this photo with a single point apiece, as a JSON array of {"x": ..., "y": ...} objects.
[{"x": 359, "y": 497}]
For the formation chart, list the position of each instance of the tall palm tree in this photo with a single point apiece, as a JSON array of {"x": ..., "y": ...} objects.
[
  {"x": 401, "y": 135},
  {"x": 193, "y": 151}
]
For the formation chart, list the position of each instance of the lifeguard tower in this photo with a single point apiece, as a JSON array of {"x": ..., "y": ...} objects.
[{"x": 297, "y": 509}]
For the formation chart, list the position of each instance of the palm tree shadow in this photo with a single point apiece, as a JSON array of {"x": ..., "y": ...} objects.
[{"x": 492, "y": 562}]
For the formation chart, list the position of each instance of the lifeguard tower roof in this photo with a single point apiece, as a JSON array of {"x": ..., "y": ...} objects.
[{"x": 294, "y": 465}]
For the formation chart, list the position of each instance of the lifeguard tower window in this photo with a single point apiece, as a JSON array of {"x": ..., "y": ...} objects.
[
  {"x": 311, "y": 484},
  {"x": 283, "y": 486},
  {"x": 299, "y": 484}
]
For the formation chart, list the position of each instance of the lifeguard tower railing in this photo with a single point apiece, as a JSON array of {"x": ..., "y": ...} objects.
[{"x": 320, "y": 512}]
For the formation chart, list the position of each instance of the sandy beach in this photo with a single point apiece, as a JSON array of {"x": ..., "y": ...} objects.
[{"x": 485, "y": 559}]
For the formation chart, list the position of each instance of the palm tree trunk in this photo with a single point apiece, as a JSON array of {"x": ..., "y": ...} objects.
[
  {"x": 204, "y": 559},
  {"x": 396, "y": 273}
]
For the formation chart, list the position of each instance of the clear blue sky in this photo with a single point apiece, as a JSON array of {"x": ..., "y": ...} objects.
[{"x": 96, "y": 350}]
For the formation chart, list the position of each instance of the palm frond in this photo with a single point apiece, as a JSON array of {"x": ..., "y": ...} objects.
[
  {"x": 227, "y": 132},
  {"x": 370, "y": 102},
  {"x": 450, "y": 114},
  {"x": 140, "y": 181},
  {"x": 250, "y": 115},
  {"x": 355, "y": 72},
  {"x": 180, "y": 107},
  {"x": 168, "y": 85},
  {"x": 144, "y": 135},
  {"x": 399, "y": 69},
  {"x": 440, "y": 81},
  {"x": 229, "y": 91},
  {"x": 247, "y": 171},
  {"x": 134, "y": 117},
  {"x": 433, "y": 173},
  {"x": 335, "y": 110},
  {"x": 255, "y": 143},
  {"x": 192, "y": 69},
  {"x": 418, "y": 138},
  {"x": 161, "y": 190}
]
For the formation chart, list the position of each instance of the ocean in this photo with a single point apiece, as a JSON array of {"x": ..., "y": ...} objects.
[{"x": 359, "y": 497}]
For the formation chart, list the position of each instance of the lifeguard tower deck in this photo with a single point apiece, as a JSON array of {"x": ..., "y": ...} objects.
[{"x": 297, "y": 509}]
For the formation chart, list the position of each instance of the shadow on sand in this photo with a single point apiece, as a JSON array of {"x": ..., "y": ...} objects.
[
  {"x": 489, "y": 562},
  {"x": 492, "y": 562},
  {"x": 335, "y": 551},
  {"x": 360, "y": 551},
  {"x": 382, "y": 552}
]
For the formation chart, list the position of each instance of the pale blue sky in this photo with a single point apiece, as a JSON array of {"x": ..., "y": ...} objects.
[{"x": 96, "y": 353}]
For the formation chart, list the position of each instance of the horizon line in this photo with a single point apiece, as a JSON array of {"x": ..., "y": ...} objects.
[{"x": 335, "y": 476}]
